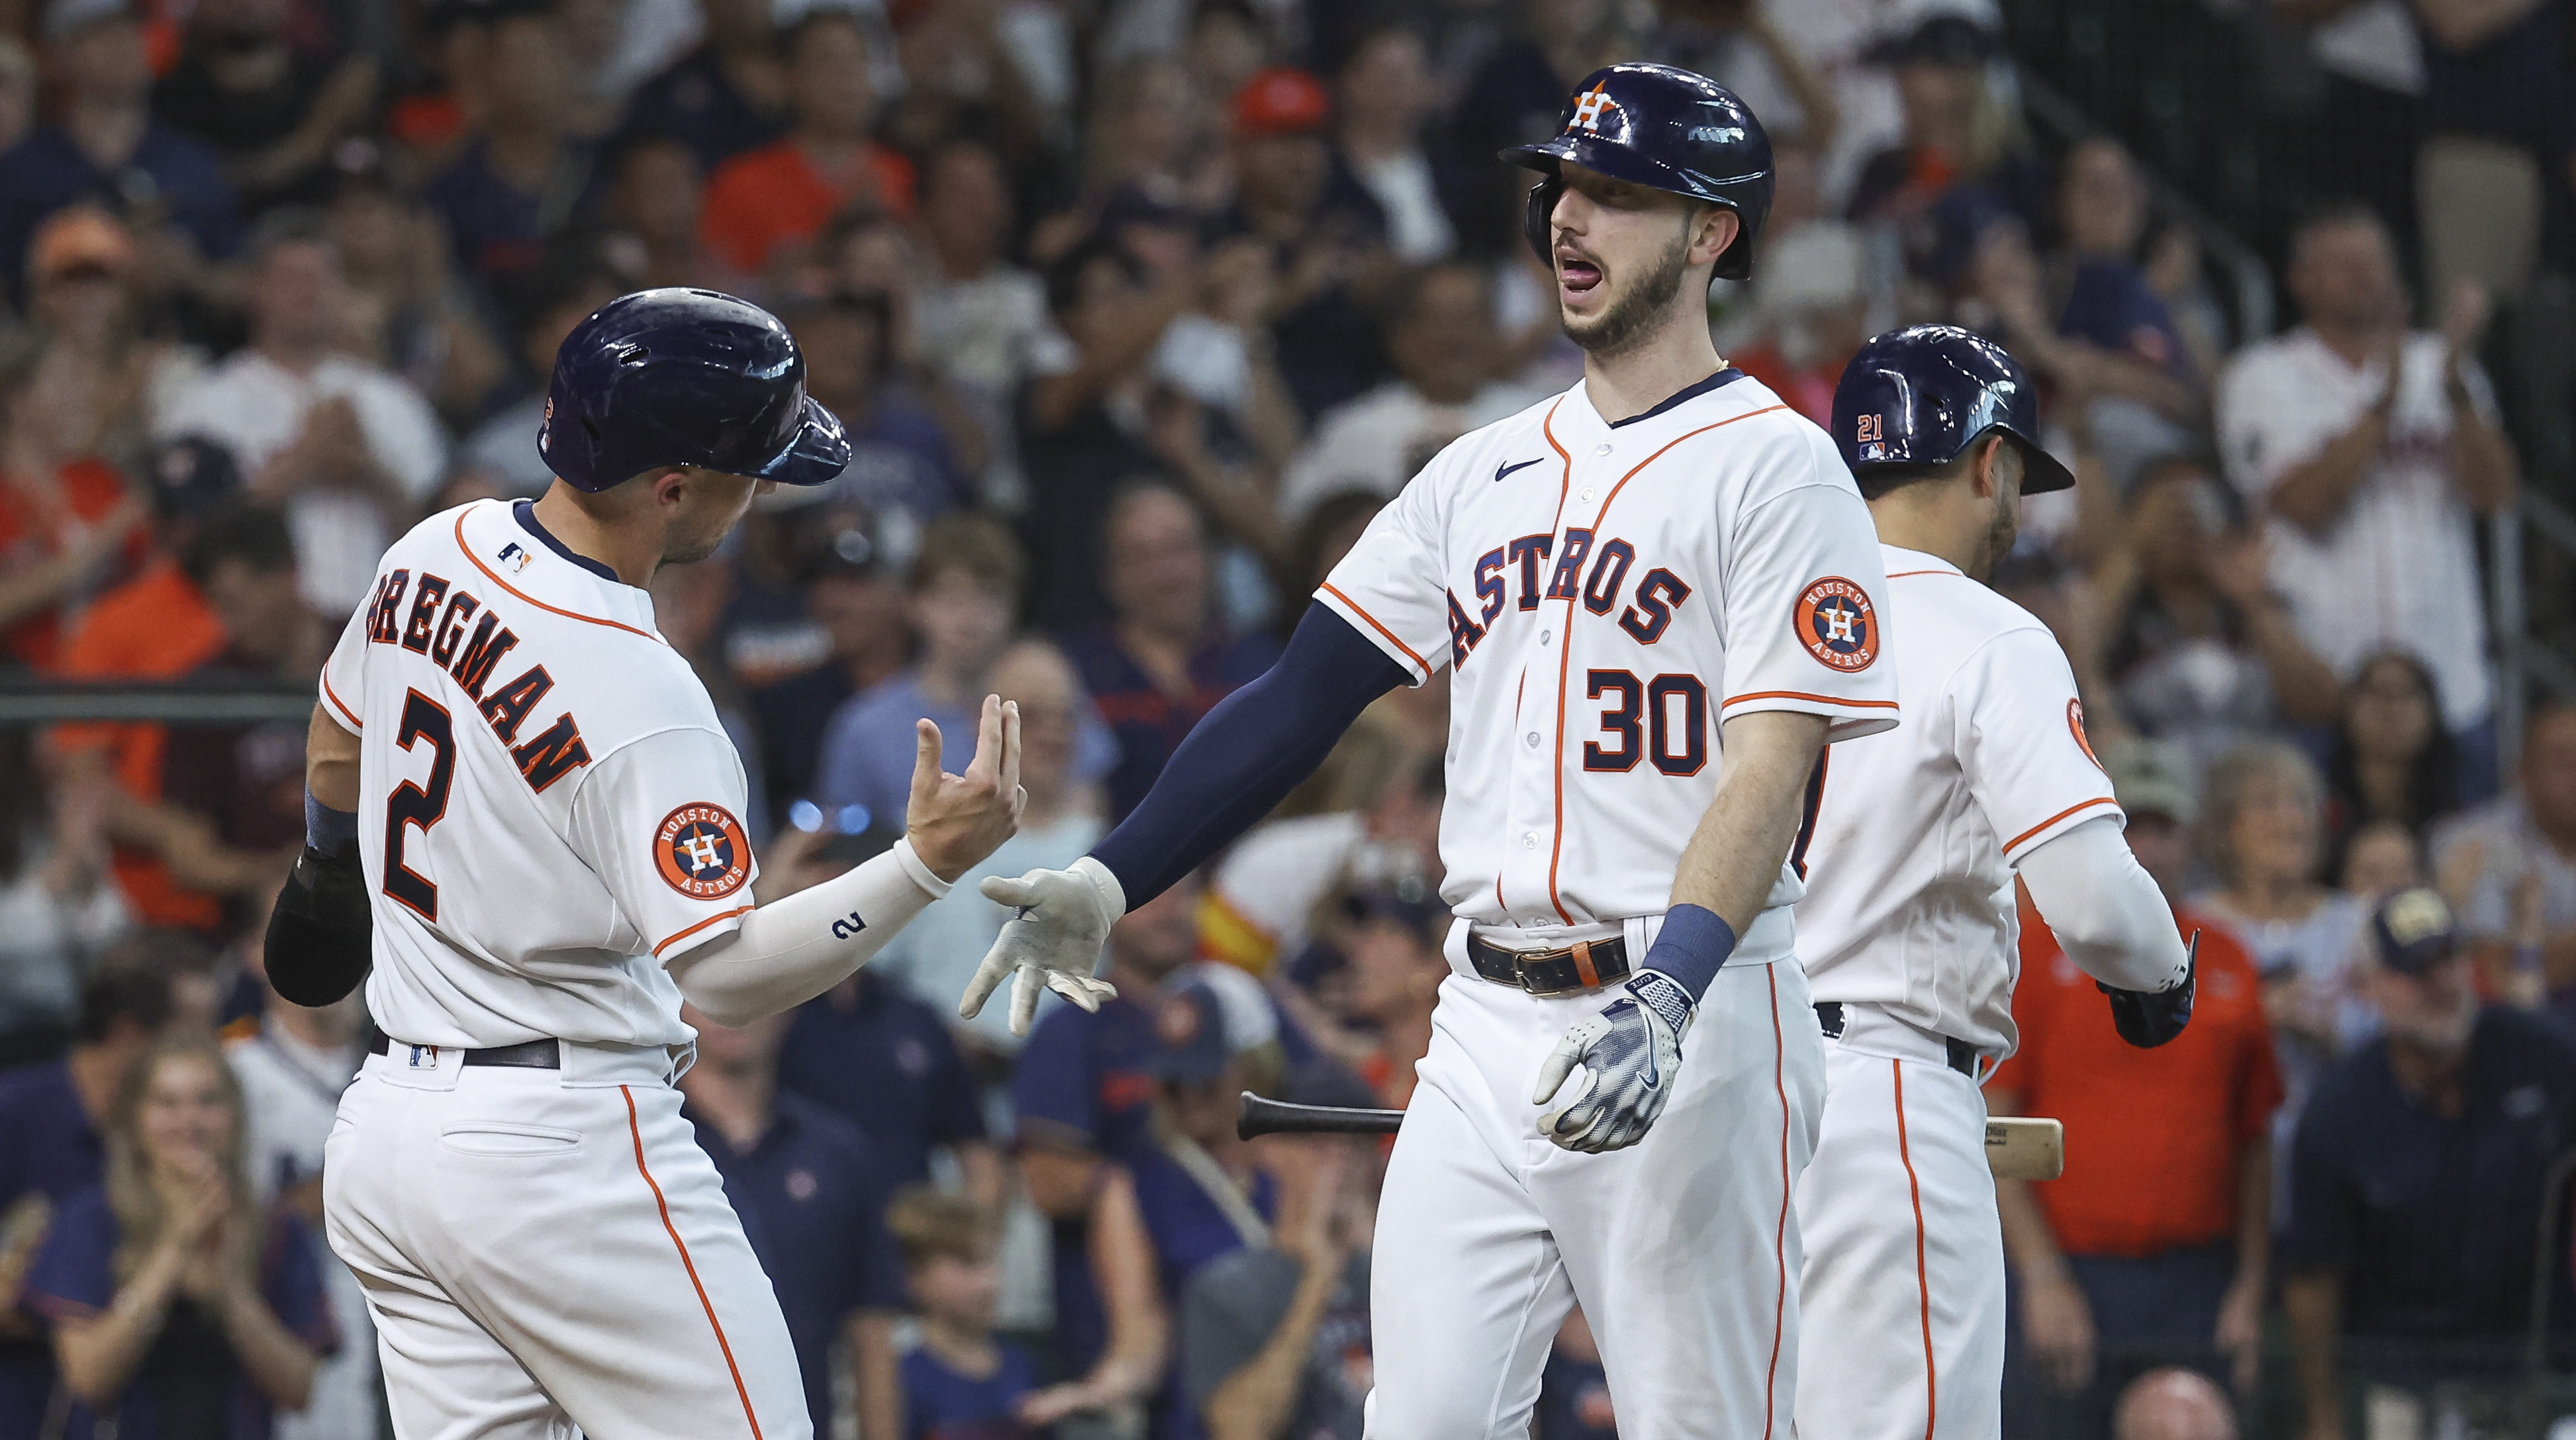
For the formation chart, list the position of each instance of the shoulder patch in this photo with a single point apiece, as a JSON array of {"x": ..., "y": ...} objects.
[
  {"x": 2075, "y": 723},
  {"x": 1838, "y": 625},
  {"x": 702, "y": 851}
]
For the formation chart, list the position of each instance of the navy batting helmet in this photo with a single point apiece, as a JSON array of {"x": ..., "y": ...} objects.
[
  {"x": 1924, "y": 394},
  {"x": 673, "y": 377},
  {"x": 1663, "y": 128}
]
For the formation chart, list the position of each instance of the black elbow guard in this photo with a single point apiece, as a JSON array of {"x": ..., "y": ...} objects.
[
  {"x": 2147, "y": 1019},
  {"x": 321, "y": 937}
]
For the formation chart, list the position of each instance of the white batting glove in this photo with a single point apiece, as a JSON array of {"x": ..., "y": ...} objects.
[
  {"x": 1630, "y": 1055},
  {"x": 1052, "y": 942}
]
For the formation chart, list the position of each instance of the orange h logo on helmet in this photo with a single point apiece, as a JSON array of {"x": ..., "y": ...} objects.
[{"x": 1594, "y": 107}]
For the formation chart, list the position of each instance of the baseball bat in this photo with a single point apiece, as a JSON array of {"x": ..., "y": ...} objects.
[{"x": 1257, "y": 1116}]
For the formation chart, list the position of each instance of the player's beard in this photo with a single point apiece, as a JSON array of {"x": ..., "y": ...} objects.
[
  {"x": 1639, "y": 311},
  {"x": 2002, "y": 529}
]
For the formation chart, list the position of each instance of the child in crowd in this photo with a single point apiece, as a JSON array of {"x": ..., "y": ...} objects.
[{"x": 961, "y": 1383}]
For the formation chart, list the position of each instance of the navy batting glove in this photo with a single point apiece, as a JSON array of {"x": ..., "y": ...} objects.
[{"x": 2147, "y": 1019}]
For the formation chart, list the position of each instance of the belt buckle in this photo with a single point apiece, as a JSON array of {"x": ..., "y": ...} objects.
[{"x": 1587, "y": 978}]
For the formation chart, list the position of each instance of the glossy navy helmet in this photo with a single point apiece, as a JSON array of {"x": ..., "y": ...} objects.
[
  {"x": 1924, "y": 394},
  {"x": 1663, "y": 128},
  {"x": 663, "y": 378}
]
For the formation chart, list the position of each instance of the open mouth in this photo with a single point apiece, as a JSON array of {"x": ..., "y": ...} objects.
[{"x": 1575, "y": 273}]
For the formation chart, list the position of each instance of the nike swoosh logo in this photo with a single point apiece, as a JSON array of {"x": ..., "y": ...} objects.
[{"x": 1502, "y": 470}]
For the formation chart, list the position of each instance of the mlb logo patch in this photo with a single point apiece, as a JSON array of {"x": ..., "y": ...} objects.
[{"x": 515, "y": 556}]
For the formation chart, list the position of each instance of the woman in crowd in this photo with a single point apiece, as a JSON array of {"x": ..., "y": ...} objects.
[
  {"x": 2391, "y": 759},
  {"x": 2262, "y": 832},
  {"x": 179, "y": 1311}
]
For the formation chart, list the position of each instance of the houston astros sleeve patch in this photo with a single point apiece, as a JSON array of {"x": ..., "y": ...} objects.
[
  {"x": 1838, "y": 625},
  {"x": 702, "y": 851}
]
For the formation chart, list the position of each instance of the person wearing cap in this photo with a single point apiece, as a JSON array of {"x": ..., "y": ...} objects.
[
  {"x": 1958, "y": 165},
  {"x": 1284, "y": 196},
  {"x": 271, "y": 108},
  {"x": 69, "y": 525},
  {"x": 2409, "y": 1258},
  {"x": 1274, "y": 1338},
  {"x": 522, "y": 172},
  {"x": 2152, "y": 1248},
  {"x": 105, "y": 129}
]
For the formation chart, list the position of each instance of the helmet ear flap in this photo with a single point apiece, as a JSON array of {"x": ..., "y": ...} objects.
[{"x": 1538, "y": 219}]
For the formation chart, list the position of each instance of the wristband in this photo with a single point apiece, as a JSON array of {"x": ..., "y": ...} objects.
[
  {"x": 327, "y": 830},
  {"x": 1692, "y": 945}
]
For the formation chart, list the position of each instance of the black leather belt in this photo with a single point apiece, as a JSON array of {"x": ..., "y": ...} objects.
[
  {"x": 526, "y": 1055},
  {"x": 1962, "y": 1055},
  {"x": 1584, "y": 965}
]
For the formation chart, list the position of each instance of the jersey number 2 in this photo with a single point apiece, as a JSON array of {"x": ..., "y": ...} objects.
[{"x": 410, "y": 804}]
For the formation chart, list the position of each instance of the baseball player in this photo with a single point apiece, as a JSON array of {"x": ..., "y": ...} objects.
[
  {"x": 524, "y": 814},
  {"x": 1658, "y": 596},
  {"x": 1908, "y": 925}
]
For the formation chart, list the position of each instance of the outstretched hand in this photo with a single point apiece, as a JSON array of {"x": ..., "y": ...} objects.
[
  {"x": 955, "y": 821},
  {"x": 1052, "y": 941}
]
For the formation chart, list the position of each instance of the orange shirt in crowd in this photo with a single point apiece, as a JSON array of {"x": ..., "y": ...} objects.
[
  {"x": 2153, "y": 1137},
  {"x": 157, "y": 626},
  {"x": 90, "y": 489},
  {"x": 768, "y": 198}
]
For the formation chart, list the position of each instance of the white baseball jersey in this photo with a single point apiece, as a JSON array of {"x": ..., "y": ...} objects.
[
  {"x": 1608, "y": 594},
  {"x": 1909, "y": 876},
  {"x": 546, "y": 801}
]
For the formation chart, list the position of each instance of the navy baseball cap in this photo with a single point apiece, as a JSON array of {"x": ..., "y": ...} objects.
[
  {"x": 2413, "y": 932},
  {"x": 1190, "y": 1024}
]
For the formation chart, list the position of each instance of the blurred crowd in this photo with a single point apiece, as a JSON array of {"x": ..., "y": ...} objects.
[{"x": 1136, "y": 311}]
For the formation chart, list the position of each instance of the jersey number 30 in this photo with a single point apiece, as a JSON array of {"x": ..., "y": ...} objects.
[
  {"x": 1664, "y": 720},
  {"x": 410, "y": 804}
]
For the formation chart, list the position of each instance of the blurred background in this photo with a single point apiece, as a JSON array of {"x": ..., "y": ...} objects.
[{"x": 1137, "y": 310}]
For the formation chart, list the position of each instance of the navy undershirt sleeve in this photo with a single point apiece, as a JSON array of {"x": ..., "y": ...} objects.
[{"x": 1248, "y": 753}]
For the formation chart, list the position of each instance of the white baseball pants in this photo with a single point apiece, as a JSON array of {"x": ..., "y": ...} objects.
[
  {"x": 549, "y": 1253},
  {"x": 1682, "y": 1249},
  {"x": 1902, "y": 1325}
]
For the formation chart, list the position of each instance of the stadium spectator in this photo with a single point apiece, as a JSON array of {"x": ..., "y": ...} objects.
[
  {"x": 97, "y": 376},
  {"x": 2105, "y": 298},
  {"x": 724, "y": 97},
  {"x": 2415, "y": 1187},
  {"x": 348, "y": 449},
  {"x": 1516, "y": 96},
  {"x": 976, "y": 317},
  {"x": 1961, "y": 164},
  {"x": 1384, "y": 99},
  {"x": 903, "y": 466},
  {"x": 1083, "y": 1094},
  {"x": 52, "y": 1114},
  {"x": 2154, "y": 1247},
  {"x": 2371, "y": 446},
  {"x": 935, "y": 955},
  {"x": 161, "y": 625},
  {"x": 1441, "y": 338},
  {"x": 2173, "y": 1405},
  {"x": 962, "y": 1382},
  {"x": 841, "y": 631},
  {"x": 761, "y": 202},
  {"x": 176, "y": 1305},
  {"x": 1393, "y": 953},
  {"x": 58, "y": 905},
  {"x": 1324, "y": 249},
  {"x": 2509, "y": 867},
  {"x": 2381, "y": 859},
  {"x": 410, "y": 309},
  {"x": 2262, "y": 834},
  {"x": 523, "y": 176},
  {"x": 270, "y": 107},
  {"x": 105, "y": 133},
  {"x": 67, "y": 521},
  {"x": 229, "y": 818},
  {"x": 1574, "y": 1401},
  {"x": 2391, "y": 759},
  {"x": 1274, "y": 1338},
  {"x": 652, "y": 211},
  {"x": 2193, "y": 646},
  {"x": 812, "y": 1192},
  {"x": 882, "y": 1059},
  {"x": 967, "y": 579},
  {"x": 1165, "y": 658},
  {"x": 291, "y": 1070}
]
